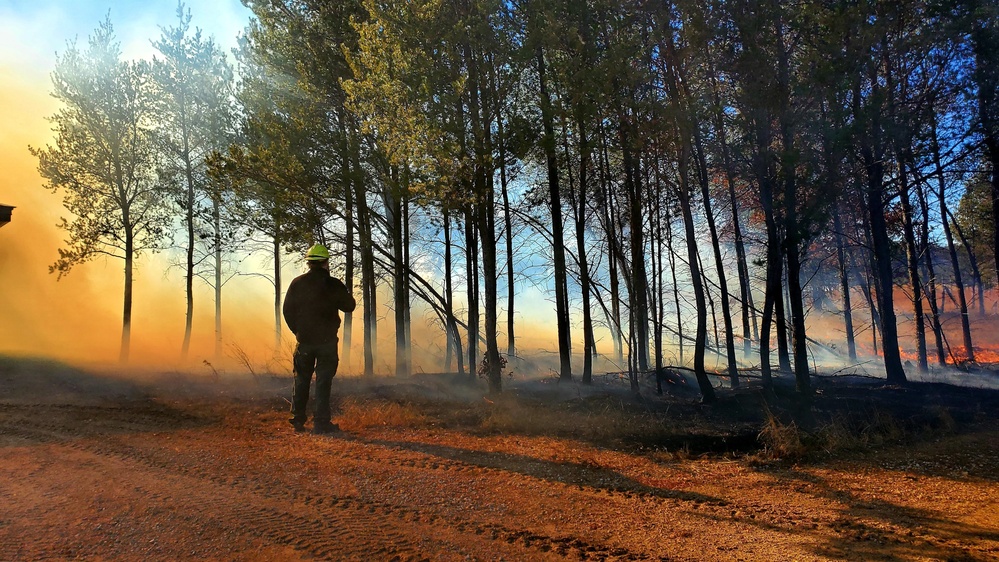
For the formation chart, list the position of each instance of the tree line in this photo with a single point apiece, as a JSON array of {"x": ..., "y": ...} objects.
[{"x": 749, "y": 161}]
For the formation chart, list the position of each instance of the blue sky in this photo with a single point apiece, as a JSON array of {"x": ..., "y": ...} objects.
[{"x": 32, "y": 31}]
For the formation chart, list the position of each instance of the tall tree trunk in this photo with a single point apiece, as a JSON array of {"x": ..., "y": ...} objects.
[
  {"x": 793, "y": 232},
  {"x": 780, "y": 315},
  {"x": 676, "y": 288},
  {"x": 217, "y": 244},
  {"x": 903, "y": 153},
  {"x": 912, "y": 264},
  {"x": 407, "y": 279},
  {"x": 658, "y": 271},
  {"x": 589, "y": 341},
  {"x": 952, "y": 250},
  {"x": 189, "y": 263},
  {"x": 479, "y": 109},
  {"x": 638, "y": 300},
  {"x": 702, "y": 174},
  {"x": 126, "y": 313},
  {"x": 511, "y": 292},
  {"x": 277, "y": 293},
  {"x": 368, "y": 280},
  {"x": 487, "y": 233},
  {"x": 700, "y": 335},
  {"x": 501, "y": 144},
  {"x": 454, "y": 338},
  {"x": 348, "y": 270},
  {"x": 772, "y": 306},
  {"x": 395, "y": 212},
  {"x": 472, "y": 272},
  {"x": 771, "y": 295},
  {"x": 973, "y": 261},
  {"x": 745, "y": 290},
  {"x": 931, "y": 277},
  {"x": 865, "y": 288},
  {"x": 844, "y": 287},
  {"x": 609, "y": 214},
  {"x": 874, "y": 166},
  {"x": 558, "y": 237},
  {"x": 798, "y": 339},
  {"x": 872, "y": 155},
  {"x": 865, "y": 277}
]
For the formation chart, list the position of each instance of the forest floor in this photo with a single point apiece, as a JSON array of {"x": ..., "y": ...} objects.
[{"x": 100, "y": 466}]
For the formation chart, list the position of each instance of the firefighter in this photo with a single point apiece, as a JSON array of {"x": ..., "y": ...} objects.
[{"x": 312, "y": 311}]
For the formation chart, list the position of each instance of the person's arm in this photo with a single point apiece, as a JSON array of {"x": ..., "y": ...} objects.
[
  {"x": 344, "y": 300},
  {"x": 289, "y": 308}
]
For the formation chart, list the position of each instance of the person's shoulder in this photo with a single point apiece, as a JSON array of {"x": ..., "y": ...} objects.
[{"x": 298, "y": 280}]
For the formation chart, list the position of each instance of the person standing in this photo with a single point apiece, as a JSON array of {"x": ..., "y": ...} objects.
[{"x": 312, "y": 308}]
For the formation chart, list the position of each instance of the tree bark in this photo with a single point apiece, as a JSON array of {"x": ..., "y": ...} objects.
[
  {"x": 976, "y": 273},
  {"x": 472, "y": 272},
  {"x": 844, "y": 287},
  {"x": 558, "y": 237},
  {"x": 217, "y": 242},
  {"x": 951, "y": 249},
  {"x": 126, "y": 313},
  {"x": 368, "y": 281},
  {"x": 589, "y": 341},
  {"x": 874, "y": 167},
  {"x": 702, "y": 174},
  {"x": 348, "y": 270},
  {"x": 277, "y": 292},
  {"x": 701, "y": 332},
  {"x": 395, "y": 215},
  {"x": 912, "y": 265},
  {"x": 931, "y": 290},
  {"x": 189, "y": 264}
]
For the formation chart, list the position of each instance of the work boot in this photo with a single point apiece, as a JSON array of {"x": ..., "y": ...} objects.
[
  {"x": 299, "y": 425},
  {"x": 325, "y": 428}
]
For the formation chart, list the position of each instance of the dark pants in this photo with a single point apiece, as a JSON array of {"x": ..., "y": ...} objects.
[{"x": 323, "y": 360}]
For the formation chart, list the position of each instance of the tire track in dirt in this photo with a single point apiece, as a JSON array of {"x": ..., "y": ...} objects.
[
  {"x": 328, "y": 533},
  {"x": 369, "y": 511},
  {"x": 323, "y": 536}
]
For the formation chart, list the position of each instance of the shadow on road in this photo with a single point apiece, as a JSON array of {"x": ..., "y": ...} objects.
[{"x": 568, "y": 473}]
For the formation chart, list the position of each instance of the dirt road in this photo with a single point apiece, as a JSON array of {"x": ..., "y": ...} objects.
[{"x": 130, "y": 477}]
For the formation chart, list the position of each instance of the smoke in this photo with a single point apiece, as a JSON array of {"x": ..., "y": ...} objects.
[{"x": 78, "y": 318}]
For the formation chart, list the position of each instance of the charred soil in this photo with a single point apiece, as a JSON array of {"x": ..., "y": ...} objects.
[{"x": 168, "y": 467}]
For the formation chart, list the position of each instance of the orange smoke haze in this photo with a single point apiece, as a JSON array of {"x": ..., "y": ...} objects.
[{"x": 78, "y": 318}]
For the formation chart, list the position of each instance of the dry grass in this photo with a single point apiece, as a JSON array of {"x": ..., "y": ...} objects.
[
  {"x": 842, "y": 434},
  {"x": 360, "y": 413},
  {"x": 680, "y": 429},
  {"x": 513, "y": 415},
  {"x": 781, "y": 440}
]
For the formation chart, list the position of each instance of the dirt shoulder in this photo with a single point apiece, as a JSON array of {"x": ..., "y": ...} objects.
[{"x": 206, "y": 470}]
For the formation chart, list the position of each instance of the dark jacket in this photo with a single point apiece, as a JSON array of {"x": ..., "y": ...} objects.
[{"x": 312, "y": 305}]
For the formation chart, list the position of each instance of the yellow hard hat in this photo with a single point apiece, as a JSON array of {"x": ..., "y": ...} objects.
[{"x": 317, "y": 253}]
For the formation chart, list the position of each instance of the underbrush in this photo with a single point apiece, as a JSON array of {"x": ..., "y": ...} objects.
[
  {"x": 599, "y": 420},
  {"x": 359, "y": 413},
  {"x": 603, "y": 421},
  {"x": 841, "y": 433},
  {"x": 747, "y": 425}
]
